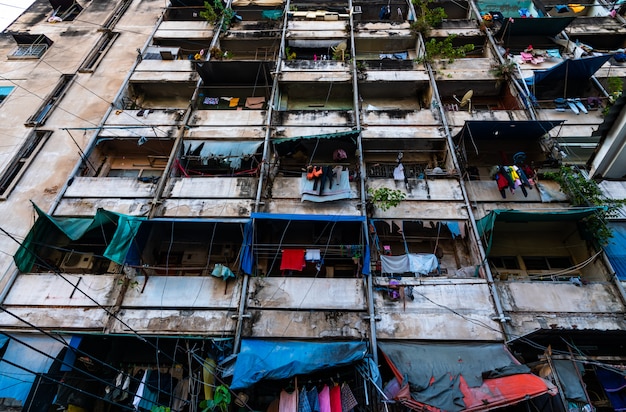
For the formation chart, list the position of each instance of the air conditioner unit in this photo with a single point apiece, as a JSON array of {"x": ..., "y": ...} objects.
[{"x": 77, "y": 261}]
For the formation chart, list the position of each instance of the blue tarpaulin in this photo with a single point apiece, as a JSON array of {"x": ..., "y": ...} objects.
[
  {"x": 262, "y": 359},
  {"x": 576, "y": 70},
  {"x": 616, "y": 249},
  {"x": 16, "y": 382}
]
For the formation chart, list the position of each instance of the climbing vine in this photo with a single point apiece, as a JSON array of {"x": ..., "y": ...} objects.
[
  {"x": 427, "y": 17},
  {"x": 213, "y": 12},
  {"x": 583, "y": 191},
  {"x": 444, "y": 49}
]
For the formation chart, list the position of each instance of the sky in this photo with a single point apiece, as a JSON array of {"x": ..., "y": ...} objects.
[{"x": 10, "y": 9}]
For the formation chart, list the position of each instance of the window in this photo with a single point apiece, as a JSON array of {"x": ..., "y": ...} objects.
[
  {"x": 42, "y": 114},
  {"x": 18, "y": 165},
  {"x": 504, "y": 262},
  {"x": 546, "y": 262},
  {"x": 94, "y": 58},
  {"x": 30, "y": 46},
  {"x": 5, "y": 91}
]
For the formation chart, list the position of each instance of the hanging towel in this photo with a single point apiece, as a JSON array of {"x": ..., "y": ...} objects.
[
  {"x": 313, "y": 255},
  {"x": 395, "y": 264},
  {"x": 292, "y": 259},
  {"x": 314, "y": 400},
  {"x": 255, "y": 102},
  {"x": 303, "y": 401},
  {"x": 335, "y": 398},
  {"x": 233, "y": 102},
  {"x": 324, "y": 398},
  {"x": 422, "y": 263},
  {"x": 348, "y": 401},
  {"x": 222, "y": 271},
  {"x": 211, "y": 100},
  {"x": 288, "y": 401},
  {"x": 140, "y": 389}
]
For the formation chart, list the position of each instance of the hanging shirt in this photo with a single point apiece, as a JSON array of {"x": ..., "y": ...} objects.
[
  {"x": 398, "y": 172},
  {"x": 335, "y": 398},
  {"x": 303, "y": 401},
  {"x": 288, "y": 401},
  {"x": 348, "y": 401},
  {"x": 314, "y": 400},
  {"x": 324, "y": 398},
  {"x": 293, "y": 259}
]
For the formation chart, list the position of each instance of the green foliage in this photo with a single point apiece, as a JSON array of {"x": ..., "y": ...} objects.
[
  {"x": 209, "y": 13},
  {"x": 444, "y": 49},
  {"x": 220, "y": 402},
  {"x": 213, "y": 12},
  {"x": 427, "y": 17},
  {"x": 160, "y": 409},
  {"x": 385, "y": 198},
  {"x": 582, "y": 191},
  {"x": 615, "y": 86},
  {"x": 289, "y": 54},
  {"x": 504, "y": 70}
]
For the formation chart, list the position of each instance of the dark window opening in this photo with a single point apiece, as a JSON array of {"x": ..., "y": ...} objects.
[
  {"x": 504, "y": 262},
  {"x": 21, "y": 160},
  {"x": 30, "y": 46},
  {"x": 51, "y": 101},
  {"x": 94, "y": 58}
]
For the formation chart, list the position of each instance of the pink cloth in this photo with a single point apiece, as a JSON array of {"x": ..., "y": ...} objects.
[
  {"x": 324, "y": 398},
  {"x": 335, "y": 398},
  {"x": 293, "y": 259},
  {"x": 288, "y": 401}
]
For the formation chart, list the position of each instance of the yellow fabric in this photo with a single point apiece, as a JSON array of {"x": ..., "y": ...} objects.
[
  {"x": 233, "y": 102},
  {"x": 576, "y": 8}
]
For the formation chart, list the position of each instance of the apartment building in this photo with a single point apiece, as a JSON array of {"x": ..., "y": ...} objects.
[{"x": 239, "y": 205}]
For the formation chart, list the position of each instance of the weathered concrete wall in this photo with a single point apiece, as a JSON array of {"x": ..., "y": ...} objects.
[
  {"x": 422, "y": 189},
  {"x": 306, "y": 294},
  {"x": 305, "y": 324},
  {"x": 109, "y": 187},
  {"x": 213, "y": 187},
  {"x": 442, "y": 309},
  {"x": 206, "y": 208},
  {"x": 83, "y": 105}
]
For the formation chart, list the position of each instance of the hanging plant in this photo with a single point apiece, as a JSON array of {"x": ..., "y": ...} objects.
[
  {"x": 220, "y": 402},
  {"x": 443, "y": 49},
  {"x": 385, "y": 198},
  {"x": 585, "y": 192}
]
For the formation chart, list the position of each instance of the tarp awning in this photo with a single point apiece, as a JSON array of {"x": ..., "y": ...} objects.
[
  {"x": 228, "y": 151},
  {"x": 75, "y": 228},
  {"x": 572, "y": 71},
  {"x": 616, "y": 249},
  {"x": 461, "y": 376},
  {"x": 344, "y": 140},
  {"x": 487, "y": 223},
  {"x": 16, "y": 382},
  {"x": 509, "y": 130},
  {"x": 544, "y": 26},
  {"x": 262, "y": 359}
]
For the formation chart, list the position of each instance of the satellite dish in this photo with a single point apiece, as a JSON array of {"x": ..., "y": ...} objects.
[{"x": 467, "y": 98}]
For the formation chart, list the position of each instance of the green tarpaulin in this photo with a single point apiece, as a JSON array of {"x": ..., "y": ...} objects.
[
  {"x": 487, "y": 223},
  {"x": 74, "y": 228}
]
